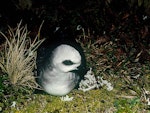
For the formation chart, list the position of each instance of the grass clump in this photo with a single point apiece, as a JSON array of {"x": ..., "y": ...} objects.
[{"x": 18, "y": 56}]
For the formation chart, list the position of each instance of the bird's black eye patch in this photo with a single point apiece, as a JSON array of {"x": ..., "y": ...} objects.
[{"x": 67, "y": 62}]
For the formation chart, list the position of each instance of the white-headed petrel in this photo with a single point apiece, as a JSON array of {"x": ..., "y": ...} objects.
[{"x": 60, "y": 64}]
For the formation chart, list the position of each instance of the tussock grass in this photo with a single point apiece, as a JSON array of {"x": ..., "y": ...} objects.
[{"x": 18, "y": 56}]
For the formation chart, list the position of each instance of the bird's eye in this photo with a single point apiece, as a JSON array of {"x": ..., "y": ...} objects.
[{"x": 67, "y": 62}]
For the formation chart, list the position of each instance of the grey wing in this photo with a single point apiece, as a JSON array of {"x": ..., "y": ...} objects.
[{"x": 43, "y": 63}]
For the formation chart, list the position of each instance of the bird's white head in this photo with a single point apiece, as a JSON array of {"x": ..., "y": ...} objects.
[{"x": 66, "y": 58}]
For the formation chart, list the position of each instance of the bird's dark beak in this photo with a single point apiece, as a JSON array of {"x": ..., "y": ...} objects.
[
  {"x": 75, "y": 70},
  {"x": 80, "y": 69}
]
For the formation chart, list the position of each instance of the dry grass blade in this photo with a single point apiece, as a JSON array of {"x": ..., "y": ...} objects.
[{"x": 18, "y": 58}]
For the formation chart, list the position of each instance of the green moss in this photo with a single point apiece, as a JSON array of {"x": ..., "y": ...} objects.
[
  {"x": 93, "y": 101},
  {"x": 127, "y": 105}
]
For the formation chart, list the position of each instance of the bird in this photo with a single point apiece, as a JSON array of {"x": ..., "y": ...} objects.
[{"x": 61, "y": 64}]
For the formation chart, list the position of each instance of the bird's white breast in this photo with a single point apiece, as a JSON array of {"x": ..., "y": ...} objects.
[{"x": 59, "y": 84}]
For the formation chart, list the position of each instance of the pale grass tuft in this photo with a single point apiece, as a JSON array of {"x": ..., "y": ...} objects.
[{"x": 18, "y": 57}]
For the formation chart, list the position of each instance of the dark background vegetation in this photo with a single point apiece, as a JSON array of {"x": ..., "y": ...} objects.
[{"x": 126, "y": 21}]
